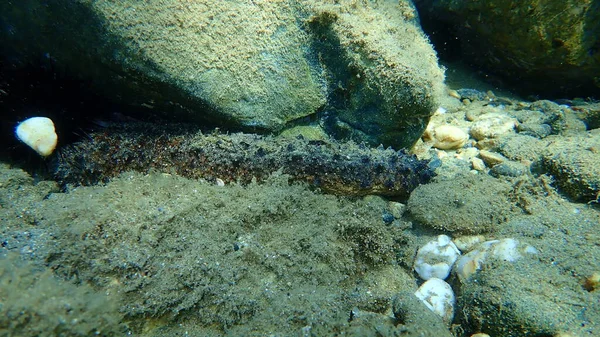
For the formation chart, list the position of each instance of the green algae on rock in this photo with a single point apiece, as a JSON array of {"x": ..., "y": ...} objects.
[
  {"x": 340, "y": 168},
  {"x": 37, "y": 303},
  {"x": 574, "y": 162},
  {"x": 387, "y": 75},
  {"x": 227, "y": 260},
  {"x": 549, "y": 47},
  {"x": 468, "y": 204},
  {"x": 249, "y": 65}
]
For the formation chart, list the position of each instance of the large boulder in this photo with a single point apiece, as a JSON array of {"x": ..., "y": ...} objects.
[
  {"x": 384, "y": 74},
  {"x": 242, "y": 65},
  {"x": 547, "y": 47}
]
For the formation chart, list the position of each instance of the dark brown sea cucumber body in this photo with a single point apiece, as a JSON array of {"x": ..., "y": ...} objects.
[{"x": 335, "y": 167}]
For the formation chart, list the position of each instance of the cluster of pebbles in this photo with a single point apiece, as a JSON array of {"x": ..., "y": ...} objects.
[
  {"x": 437, "y": 258},
  {"x": 511, "y": 138},
  {"x": 512, "y": 207}
]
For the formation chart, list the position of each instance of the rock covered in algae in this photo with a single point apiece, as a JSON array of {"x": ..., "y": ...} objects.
[
  {"x": 37, "y": 303},
  {"x": 265, "y": 258},
  {"x": 244, "y": 65},
  {"x": 341, "y": 168},
  {"x": 541, "y": 46},
  {"x": 574, "y": 164},
  {"x": 466, "y": 204}
]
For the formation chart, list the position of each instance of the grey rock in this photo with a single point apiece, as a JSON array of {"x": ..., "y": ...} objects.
[
  {"x": 575, "y": 164},
  {"x": 542, "y": 46},
  {"x": 521, "y": 147},
  {"x": 524, "y": 298},
  {"x": 509, "y": 169},
  {"x": 535, "y": 130},
  {"x": 466, "y": 204},
  {"x": 472, "y": 94}
]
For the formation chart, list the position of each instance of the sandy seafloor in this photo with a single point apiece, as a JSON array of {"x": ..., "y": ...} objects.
[{"x": 160, "y": 255}]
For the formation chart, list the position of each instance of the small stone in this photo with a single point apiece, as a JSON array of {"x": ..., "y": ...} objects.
[
  {"x": 454, "y": 93},
  {"x": 39, "y": 134},
  {"x": 466, "y": 242},
  {"x": 509, "y": 169},
  {"x": 397, "y": 209},
  {"x": 435, "y": 259},
  {"x": 438, "y": 297},
  {"x": 492, "y": 125},
  {"x": 492, "y": 158},
  {"x": 471, "y": 115},
  {"x": 472, "y": 94},
  {"x": 477, "y": 164},
  {"x": 449, "y": 137},
  {"x": 467, "y": 153},
  {"x": 487, "y": 144},
  {"x": 535, "y": 130}
]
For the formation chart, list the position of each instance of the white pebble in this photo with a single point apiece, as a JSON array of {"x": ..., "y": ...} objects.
[
  {"x": 39, "y": 134},
  {"x": 435, "y": 259},
  {"x": 477, "y": 164},
  {"x": 438, "y": 297},
  {"x": 507, "y": 250}
]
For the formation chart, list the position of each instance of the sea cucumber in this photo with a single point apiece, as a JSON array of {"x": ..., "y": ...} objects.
[{"x": 344, "y": 168}]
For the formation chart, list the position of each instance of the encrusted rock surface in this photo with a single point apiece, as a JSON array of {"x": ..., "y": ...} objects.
[
  {"x": 550, "y": 47},
  {"x": 367, "y": 69}
]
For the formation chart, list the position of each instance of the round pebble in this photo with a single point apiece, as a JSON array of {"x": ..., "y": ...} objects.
[
  {"x": 509, "y": 169},
  {"x": 438, "y": 297},
  {"x": 449, "y": 137},
  {"x": 477, "y": 164}
]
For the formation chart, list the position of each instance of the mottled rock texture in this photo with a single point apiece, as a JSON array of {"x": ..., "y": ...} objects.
[
  {"x": 550, "y": 47},
  {"x": 366, "y": 70}
]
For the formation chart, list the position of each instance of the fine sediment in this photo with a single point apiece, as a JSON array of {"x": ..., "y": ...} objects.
[{"x": 339, "y": 168}]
